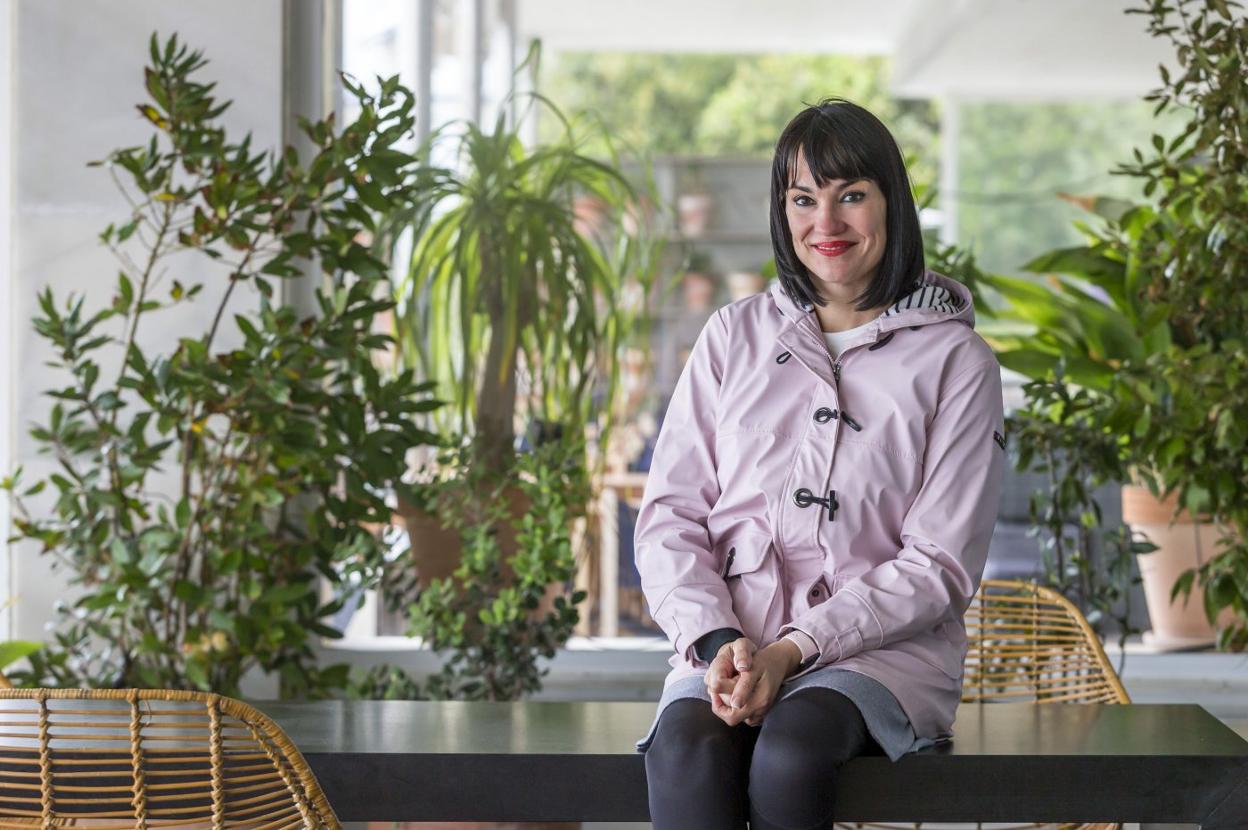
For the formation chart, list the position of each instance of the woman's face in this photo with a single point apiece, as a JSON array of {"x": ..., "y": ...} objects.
[{"x": 838, "y": 231}]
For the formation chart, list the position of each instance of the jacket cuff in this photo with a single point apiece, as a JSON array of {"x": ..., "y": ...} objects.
[
  {"x": 813, "y": 657},
  {"x": 805, "y": 644},
  {"x": 709, "y": 644},
  {"x": 686, "y": 614}
]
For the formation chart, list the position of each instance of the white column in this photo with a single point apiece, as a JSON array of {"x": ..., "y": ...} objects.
[
  {"x": 8, "y": 320},
  {"x": 416, "y": 51},
  {"x": 310, "y": 40},
  {"x": 331, "y": 63},
  {"x": 507, "y": 19},
  {"x": 949, "y": 144},
  {"x": 471, "y": 22},
  {"x": 609, "y": 563}
]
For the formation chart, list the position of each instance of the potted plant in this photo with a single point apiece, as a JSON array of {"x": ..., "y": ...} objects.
[
  {"x": 1186, "y": 403},
  {"x": 1156, "y": 320},
  {"x": 515, "y": 316},
  {"x": 1083, "y": 330},
  {"x": 695, "y": 204},
  {"x": 496, "y": 614},
  {"x": 202, "y": 491}
]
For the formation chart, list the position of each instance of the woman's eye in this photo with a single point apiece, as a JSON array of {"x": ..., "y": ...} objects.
[
  {"x": 802, "y": 201},
  {"x": 857, "y": 193}
]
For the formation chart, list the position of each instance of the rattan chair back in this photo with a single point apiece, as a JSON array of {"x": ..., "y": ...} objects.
[
  {"x": 139, "y": 758},
  {"x": 1028, "y": 644}
]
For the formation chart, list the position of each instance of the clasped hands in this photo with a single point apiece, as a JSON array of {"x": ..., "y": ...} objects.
[{"x": 743, "y": 680}]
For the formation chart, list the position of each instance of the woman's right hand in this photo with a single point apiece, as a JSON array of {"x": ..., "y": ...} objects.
[{"x": 722, "y": 675}]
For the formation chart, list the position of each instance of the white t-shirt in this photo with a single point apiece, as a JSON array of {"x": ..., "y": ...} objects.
[{"x": 838, "y": 339}]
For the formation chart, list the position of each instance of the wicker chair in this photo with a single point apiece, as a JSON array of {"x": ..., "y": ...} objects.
[
  {"x": 1029, "y": 644},
  {"x": 159, "y": 758}
]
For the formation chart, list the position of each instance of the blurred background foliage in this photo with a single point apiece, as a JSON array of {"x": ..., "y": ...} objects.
[{"x": 1014, "y": 159}]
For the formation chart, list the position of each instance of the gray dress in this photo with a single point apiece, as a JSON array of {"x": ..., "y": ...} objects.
[{"x": 885, "y": 719}]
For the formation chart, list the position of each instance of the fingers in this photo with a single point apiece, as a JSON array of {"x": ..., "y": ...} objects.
[
  {"x": 744, "y": 688},
  {"x": 743, "y": 649},
  {"x": 721, "y": 709},
  {"x": 731, "y": 682},
  {"x": 720, "y": 674},
  {"x": 751, "y": 715}
]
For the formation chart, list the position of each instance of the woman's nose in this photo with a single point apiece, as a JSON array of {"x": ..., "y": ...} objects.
[{"x": 829, "y": 220}]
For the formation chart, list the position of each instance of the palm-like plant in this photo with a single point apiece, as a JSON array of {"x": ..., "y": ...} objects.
[{"x": 509, "y": 304}]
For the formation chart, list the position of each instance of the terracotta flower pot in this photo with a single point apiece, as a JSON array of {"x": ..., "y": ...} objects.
[
  {"x": 436, "y": 552},
  {"x": 1182, "y": 545},
  {"x": 742, "y": 284},
  {"x": 590, "y": 212},
  {"x": 693, "y": 212}
]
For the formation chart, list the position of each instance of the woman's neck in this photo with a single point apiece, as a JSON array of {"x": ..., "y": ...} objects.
[{"x": 835, "y": 317}]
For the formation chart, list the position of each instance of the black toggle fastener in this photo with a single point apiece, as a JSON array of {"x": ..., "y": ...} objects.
[
  {"x": 823, "y": 414},
  {"x": 805, "y": 498},
  {"x": 783, "y": 357},
  {"x": 857, "y": 427},
  {"x": 882, "y": 342}
]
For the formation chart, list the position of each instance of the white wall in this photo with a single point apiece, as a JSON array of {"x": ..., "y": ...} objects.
[{"x": 77, "y": 74}]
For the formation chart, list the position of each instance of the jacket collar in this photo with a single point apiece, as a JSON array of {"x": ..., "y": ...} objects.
[{"x": 938, "y": 298}]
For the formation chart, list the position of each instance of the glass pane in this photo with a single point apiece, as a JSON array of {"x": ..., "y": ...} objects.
[{"x": 371, "y": 41}]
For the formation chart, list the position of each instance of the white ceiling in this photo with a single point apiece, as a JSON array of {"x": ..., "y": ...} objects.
[{"x": 973, "y": 49}]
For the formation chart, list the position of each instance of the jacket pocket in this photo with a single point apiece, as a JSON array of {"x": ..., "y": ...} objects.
[{"x": 751, "y": 569}]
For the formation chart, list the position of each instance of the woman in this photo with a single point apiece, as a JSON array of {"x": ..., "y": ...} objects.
[{"x": 820, "y": 501}]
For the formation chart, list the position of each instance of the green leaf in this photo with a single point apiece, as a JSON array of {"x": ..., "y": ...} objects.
[
  {"x": 13, "y": 650},
  {"x": 120, "y": 551}
]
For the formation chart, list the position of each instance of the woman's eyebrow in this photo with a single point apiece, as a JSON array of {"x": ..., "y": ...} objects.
[{"x": 841, "y": 186}]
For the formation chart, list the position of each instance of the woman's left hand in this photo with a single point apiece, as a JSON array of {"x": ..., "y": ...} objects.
[{"x": 756, "y": 688}]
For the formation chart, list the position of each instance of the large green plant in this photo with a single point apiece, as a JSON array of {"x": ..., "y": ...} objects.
[
  {"x": 514, "y": 312},
  {"x": 201, "y": 492},
  {"x": 1059, "y": 433},
  {"x": 1185, "y": 406},
  {"x": 1151, "y": 313}
]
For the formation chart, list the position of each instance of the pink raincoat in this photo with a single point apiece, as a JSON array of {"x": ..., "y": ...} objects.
[{"x": 851, "y": 499}]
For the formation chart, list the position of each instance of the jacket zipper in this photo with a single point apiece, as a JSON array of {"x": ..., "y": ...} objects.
[{"x": 728, "y": 565}]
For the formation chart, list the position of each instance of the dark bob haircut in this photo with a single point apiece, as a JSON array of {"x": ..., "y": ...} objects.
[{"x": 841, "y": 140}]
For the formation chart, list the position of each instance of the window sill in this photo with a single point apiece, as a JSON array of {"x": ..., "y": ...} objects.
[
  {"x": 586, "y": 668},
  {"x": 633, "y": 668}
]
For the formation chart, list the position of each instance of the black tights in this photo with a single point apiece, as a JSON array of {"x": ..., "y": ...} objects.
[{"x": 703, "y": 773}]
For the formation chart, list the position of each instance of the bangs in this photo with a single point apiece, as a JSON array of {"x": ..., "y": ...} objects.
[
  {"x": 828, "y": 155},
  {"x": 841, "y": 140}
]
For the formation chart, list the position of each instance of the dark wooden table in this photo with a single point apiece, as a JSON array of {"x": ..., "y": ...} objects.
[{"x": 458, "y": 761}]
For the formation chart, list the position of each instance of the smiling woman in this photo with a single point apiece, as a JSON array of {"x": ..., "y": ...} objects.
[
  {"x": 842, "y": 213},
  {"x": 839, "y": 234},
  {"x": 812, "y": 569}
]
